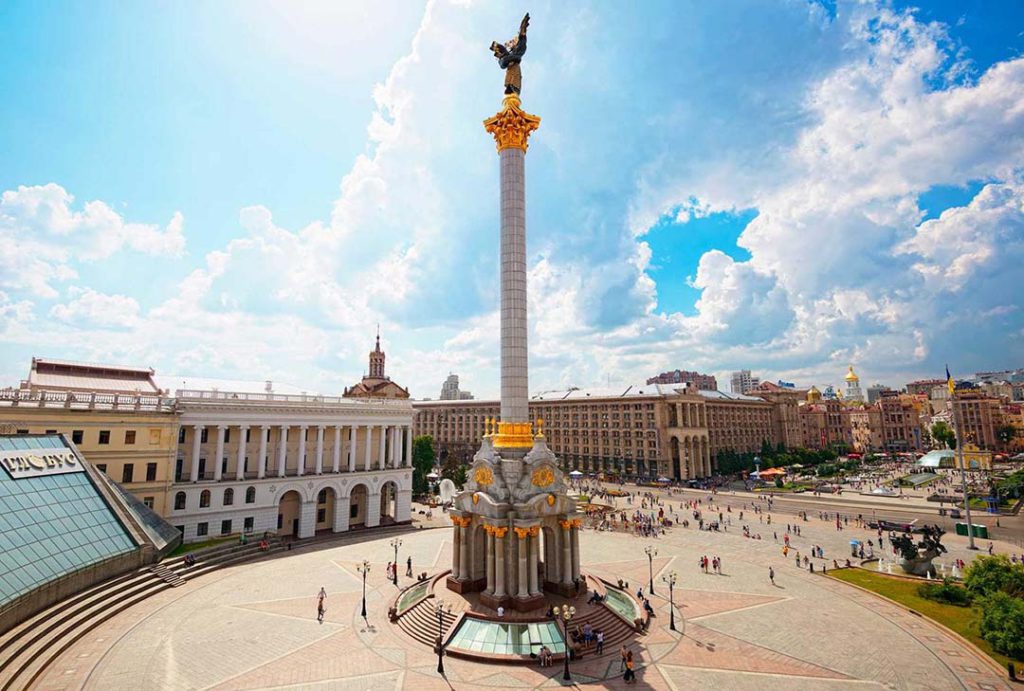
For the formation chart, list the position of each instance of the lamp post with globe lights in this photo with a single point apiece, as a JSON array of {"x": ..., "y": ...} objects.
[
  {"x": 651, "y": 554},
  {"x": 396, "y": 543},
  {"x": 364, "y": 569},
  {"x": 565, "y": 613},
  {"x": 440, "y": 610},
  {"x": 670, "y": 579}
]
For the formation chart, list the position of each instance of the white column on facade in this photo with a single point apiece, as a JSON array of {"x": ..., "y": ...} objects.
[
  {"x": 319, "y": 449},
  {"x": 456, "y": 550},
  {"x": 369, "y": 447},
  {"x": 534, "y": 541},
  {"x": 490, "y": 561},
  {"x": 193, "y": 470},
  {"x": 524, "y": 568},
  {"x": 336, "y": 460},
  {"x": 382, "y": 446},
  {"x": 302, "y": 449},
  {"x": 217, "y": 463},
  {"x": 499, "y": 564},
  {"x": 240, "y": 461},
  {"x": 392, "y": 452},
  {"x": 352, "y": 449},
  {"x": 464, "y": 572},
  {"x": 566, "y": 557},
  {"x": 407, "y": 461},
  {"x": 574, "y": 536},
  {"x": 261, "y": 463},
  {"x": 282, "y": 451}
]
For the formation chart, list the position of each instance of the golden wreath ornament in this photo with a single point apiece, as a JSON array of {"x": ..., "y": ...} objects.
[{"x": 542, "y": 477}]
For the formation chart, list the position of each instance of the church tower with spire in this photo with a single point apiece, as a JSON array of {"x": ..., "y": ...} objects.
[{"x": 376, "y": 384}]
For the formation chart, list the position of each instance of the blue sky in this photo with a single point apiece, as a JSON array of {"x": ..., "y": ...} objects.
[{"x": 245, "y": 189}]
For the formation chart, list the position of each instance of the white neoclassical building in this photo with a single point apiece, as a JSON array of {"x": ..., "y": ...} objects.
[{"x": 289, "y": 464}]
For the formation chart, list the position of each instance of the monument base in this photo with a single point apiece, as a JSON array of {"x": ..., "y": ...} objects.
[
  {"x": 528, "y": 604},
  {"x": 494, "y": 602},
  {"x": 467, "y": 586},
  {"x": 566, "y": 590}
]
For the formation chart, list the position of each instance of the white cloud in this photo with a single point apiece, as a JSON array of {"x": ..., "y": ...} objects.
[{"x": 97, "y": 309}]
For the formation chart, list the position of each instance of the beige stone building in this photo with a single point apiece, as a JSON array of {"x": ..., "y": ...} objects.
[
  {"x": 980, "y": 415},
  {"x": 786, "y": 425},
  {"x": 902, "y": 422},
  {"x": 116, "y": 416},
  {"x": 648, "y": 430}
]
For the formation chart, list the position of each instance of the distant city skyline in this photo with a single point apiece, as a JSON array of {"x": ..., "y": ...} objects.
[{"x": 248, "y": 191}]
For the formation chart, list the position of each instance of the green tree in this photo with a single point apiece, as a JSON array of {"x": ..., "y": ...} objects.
[
  {"x": 996, "y": 573},
  {"x": 454, "y": 470},
  {"x": 943, "y": 434},
  {"x": 1005, "y": 434},
  {"x": 422, "y": 462},
  {"x": 1002, "y": 624}
]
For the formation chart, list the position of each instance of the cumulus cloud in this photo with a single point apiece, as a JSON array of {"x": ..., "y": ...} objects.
[{"x": 88, "y": 306}]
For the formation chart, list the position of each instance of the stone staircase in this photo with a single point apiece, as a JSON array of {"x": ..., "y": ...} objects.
[
  {"x": 420, "y": 622},
  {"x": 30, "y": 646}
]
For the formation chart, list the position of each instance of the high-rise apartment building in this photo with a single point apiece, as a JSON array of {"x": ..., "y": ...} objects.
[
  {"x": 450, "y": 390},
  {"x": 743, "y": 382}
]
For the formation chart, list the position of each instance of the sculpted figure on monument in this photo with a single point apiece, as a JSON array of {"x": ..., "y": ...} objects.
[{"x": 510, "y": 55}]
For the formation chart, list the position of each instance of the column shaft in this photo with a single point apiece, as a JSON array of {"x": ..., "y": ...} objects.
[
  {"x": 319, "y": 449},
  {"x": 240, "y": 458},
  {"x": 261, "y": 463},
  {"x": 566, "y": 557},
  {"x": 407, "y": 461},
  {"x": 193, "y": 470},
  {"x": 464, "y": 572},
  {"x": 336, "y": 461},
  {"x": 514, "y": 379},
  {"x": 499, "y": 567},
  {"x": 369, "y": 447},
  {"x": 534, "y": 543},
  {"x": 456, "y": 551},
  {"x": 490, "y": 562},
  {"x": 352, "y": 449},
  {"x": 301, "y": 461},
  {"x": 282, "y": 452},
  {"x": 382, "y": 444},
  {"x": 574, "y": 536},
  {"x": 217, "y": 463},
  {"x": 524, "y": 569}
]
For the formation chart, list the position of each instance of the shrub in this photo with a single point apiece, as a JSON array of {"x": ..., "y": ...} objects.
[
  {"x": 1002, "y": 624},
  {"x": 987, "y": 575},
  {"x": 946, "y": 592}
]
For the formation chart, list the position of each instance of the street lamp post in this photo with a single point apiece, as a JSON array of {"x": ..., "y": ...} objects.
[
  {"x": 396, "y": 543},
  {"x": 960, "y": 438},
  {"x": 364, "y": 569},
  {"x": 566, "y": 614},
  {"x": 440, "y": 610},
  {"x": 671, "y": 578},
  {"x": 651, "y": 554}
]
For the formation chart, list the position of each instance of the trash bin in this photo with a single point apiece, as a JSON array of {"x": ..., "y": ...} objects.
[
  {"x": 961, "y": 529},
  {"x": 980, "y": 531}
]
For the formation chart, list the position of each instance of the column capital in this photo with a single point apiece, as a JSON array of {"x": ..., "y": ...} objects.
[
  {"x": 511, "y": 126},
  {"x": 244, "y": 426}
]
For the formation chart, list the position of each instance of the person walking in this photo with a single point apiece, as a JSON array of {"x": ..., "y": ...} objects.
[
  {"x": 408, "y": 567},
  {"x": 629, "y": 676},
  {"x": 600, "y": 641},
  {"x": 623, "y": 652},
  {"x": 771, "y": 575}
]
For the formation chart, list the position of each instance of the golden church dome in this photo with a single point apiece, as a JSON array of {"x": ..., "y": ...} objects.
[
  {"x": 813, "y": 394},
  {"x": 850, "y": 376}
]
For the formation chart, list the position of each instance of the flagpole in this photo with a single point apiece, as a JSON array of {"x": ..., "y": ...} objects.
[{"x": 963, "y": 471}]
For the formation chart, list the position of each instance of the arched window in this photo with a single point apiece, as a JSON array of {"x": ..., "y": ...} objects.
[
  {"x": 179, "y": 501},
  {"x": 322, "y": 497},
  {"x": 204, "y": 499},
  {"x": 250, "y": 495},
  {"x": 229, "y": 497}
]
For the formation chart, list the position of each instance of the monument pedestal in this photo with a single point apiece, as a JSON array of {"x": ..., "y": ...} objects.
[{"x": 466, "y": 586}]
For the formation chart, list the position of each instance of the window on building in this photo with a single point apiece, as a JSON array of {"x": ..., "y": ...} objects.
[
  {"x": 204, "y": 435},
  {"x": 51, "y": 431},
  {"x": 102, "y": 467},
  {"x": 204, "y": 499},
  {"x": 77, "y": 435},
  {"x": 247, "y": 433},
  {"x": 248, "y": 525},
  {"x": 353, "y": 510},
  {"x": 151, "y": 472},
  {"x": 321, "y": 515},
  {"x": 154, "y": 436},
  {"x": 181, "y": 529},
  {"x": 104, "y": 436},
  {"x": 22, "y": 431},
  {"x": 129, "y": 436},
  {"x": 322, "y": 497},
  {"x": 128, "y": 472},
  {"x": 225, "y": 527},
  {"x": 181, "y": 435},
  {"x": 202, "y": 529},
  {"x": 179, "y": 501},
  {"x": 229, "y": 497},
  {"x": 227, "y": 435},
  {"x": 280, "y": 520},
  {"x": 148, "y": 501},
  {"x": 250, "y": 495}
]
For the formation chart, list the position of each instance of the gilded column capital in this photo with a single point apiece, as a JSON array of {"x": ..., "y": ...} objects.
[
  {"x": 511, "y": 126},
  {"x": 462, "y": 522},
  {"x": 499, "y": 532},
  {"x": 534, "y": 530},
  {"x": 522, "y": 532},
  {"x": 565, "y": 524}
]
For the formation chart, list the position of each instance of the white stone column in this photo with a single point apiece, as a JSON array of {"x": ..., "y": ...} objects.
[
  {"x": 464, "y": 572},
  {"x": 193, "y": 471},
  {"x": 342, "y": 506},
  {"x": 514, "y": 378},
  {"x": 352, "y": 449},
  {"x": 302, "y": 450},
  {"x": 240, "y": 460},
  {"x": 393, "y": 451},
  {"x": 524, "y": 568},
  {"x": 499, "y": 564},
  {"x": 217, "y": 462},
  {"x": 456, "y": 550},
  {"x": 336, "y": 458},
  {"x": 382, "y": 444},
  {"x": 574, "y": 536},
  {"x": 372, "y": 510},
  {"x": 490, "y": 561},
  {"x": 566, "y": 557},
  {"x": 407, "y": 461},
  {"x": 261, "y": 464},
  {"x": 319, "y": 449},
  {"x": 282, "y": 451},
  {"x": 534, "y": 541},
  {"x": 307, "y": 519},
  {"x": 369, "y": 447},
  {"x": 679, "y": 415}
]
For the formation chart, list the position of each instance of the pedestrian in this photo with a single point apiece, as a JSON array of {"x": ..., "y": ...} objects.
[
  {"x": 771, "y": 575},
  {"x": 408, "y": 567},
  {"x": 629, "y": 676},
  {"x": 600, "y": 641},
  {"x": 320, "y": 611},
  {"x": 623, "y": 651},
  {"x": 990, "y": 548}
]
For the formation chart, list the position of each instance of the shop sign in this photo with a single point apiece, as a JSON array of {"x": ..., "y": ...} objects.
[{"x": 22, "y": 463}]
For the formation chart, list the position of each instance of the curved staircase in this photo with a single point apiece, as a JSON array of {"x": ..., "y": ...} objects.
[
  {"x": 420, "y": 622},
  {"x": 30, "y": 646}
]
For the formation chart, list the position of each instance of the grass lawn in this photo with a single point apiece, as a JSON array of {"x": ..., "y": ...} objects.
[
  {"x": 964, "y": 620},
  {"x": 196, "y": 546}
]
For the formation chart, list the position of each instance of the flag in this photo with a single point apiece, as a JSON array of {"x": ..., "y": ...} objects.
[{"x": 949, "y": 381}]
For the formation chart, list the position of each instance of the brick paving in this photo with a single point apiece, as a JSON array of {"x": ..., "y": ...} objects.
[{"x": 254, "y": 626}]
